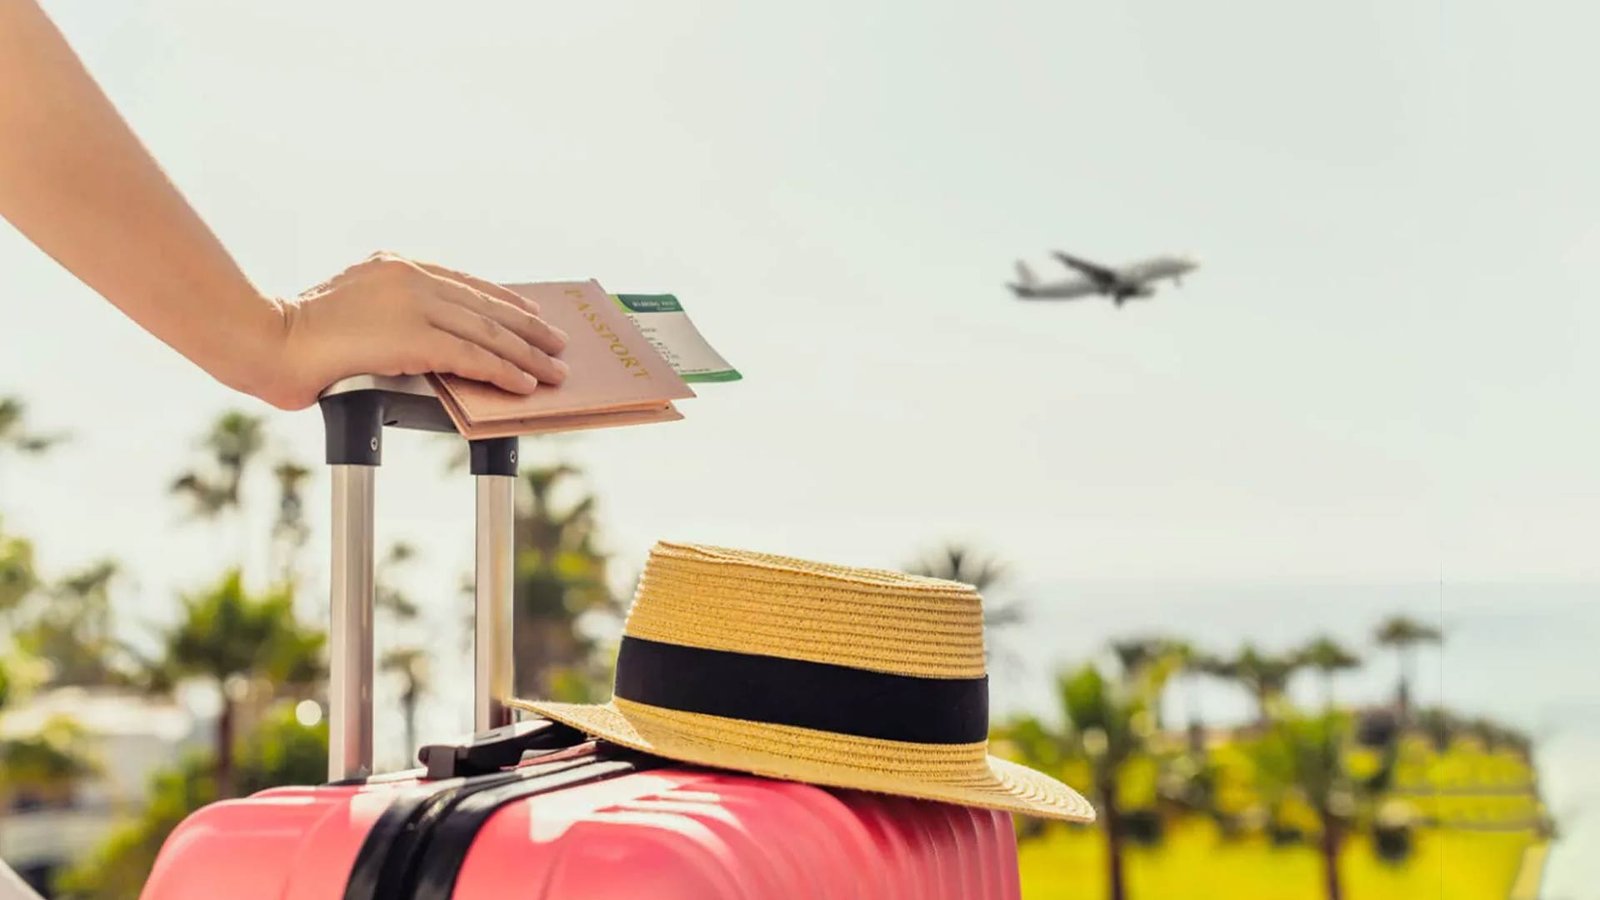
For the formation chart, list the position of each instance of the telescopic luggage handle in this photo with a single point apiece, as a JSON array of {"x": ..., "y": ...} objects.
[{"x": 355, "y": 411}]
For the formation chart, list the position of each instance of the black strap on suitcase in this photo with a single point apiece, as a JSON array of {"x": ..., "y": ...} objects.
[{"x": 417, "y": 847}]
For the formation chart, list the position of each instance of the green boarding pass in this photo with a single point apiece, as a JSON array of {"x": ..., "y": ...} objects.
[{"x": 662, "y": 321}]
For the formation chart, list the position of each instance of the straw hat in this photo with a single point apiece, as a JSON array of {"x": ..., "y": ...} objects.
[{"x": 852, "y": 678}]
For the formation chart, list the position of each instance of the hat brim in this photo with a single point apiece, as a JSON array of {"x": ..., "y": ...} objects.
[{"x": 836, "y": 760}]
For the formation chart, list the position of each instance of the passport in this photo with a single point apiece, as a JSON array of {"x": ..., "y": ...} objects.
[{"x": 616, "y": 376}]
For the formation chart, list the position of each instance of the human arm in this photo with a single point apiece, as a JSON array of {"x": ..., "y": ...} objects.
[{"x": 76, "y": 181}]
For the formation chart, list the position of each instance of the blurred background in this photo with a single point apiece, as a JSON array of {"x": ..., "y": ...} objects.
[{"x": 1288, "y": 567}]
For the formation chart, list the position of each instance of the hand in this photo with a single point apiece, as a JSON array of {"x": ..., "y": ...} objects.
[{"x": 389, "y": 315}]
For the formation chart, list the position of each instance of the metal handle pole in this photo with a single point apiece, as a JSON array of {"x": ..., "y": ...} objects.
[
  {"x": 350, "y": 627},
  {"x": 494, "y": 465}
]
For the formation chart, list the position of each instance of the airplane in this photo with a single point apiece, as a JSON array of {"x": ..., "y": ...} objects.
[{"x": 1120, "y": 284}]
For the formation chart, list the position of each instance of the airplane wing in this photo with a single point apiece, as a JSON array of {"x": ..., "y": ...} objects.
[
  {"x": 1070, "y": 289},
  {"x": 1098, "y": 273}
]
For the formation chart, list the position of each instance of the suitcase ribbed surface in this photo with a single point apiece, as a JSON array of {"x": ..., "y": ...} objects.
[{"x": 672, "y": 833}]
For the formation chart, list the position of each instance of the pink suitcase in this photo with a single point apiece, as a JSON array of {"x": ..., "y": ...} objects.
[{"x": 530, "y": 809}]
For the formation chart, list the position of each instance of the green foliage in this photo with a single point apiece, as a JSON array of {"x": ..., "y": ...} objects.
[
  {"x": 117, "y": 869},
  {"x": 1026, "y": 738},
  {"x": 1265, "y": 675},
  {"x": 75, "y": 630},
  {"x": 18, "y": 577},
  {"x": 238, "y": 641},
  {"x": 1403, "y": 631},
  {"x": 1327, "y": 655},
  {"x": 46, "y": 763},
  {"x": 15, "y": 436},
  {"x": 280, "y": 752},
  {"x": 560, "y": 575},
  {"x": 560, "y": 571},
  {"x": 213, "y": 488},
  {"x": 1303, "y": 756},
  {"x": 388, "y": 596},
  {"x": 1104, "y": 717},
  {"x": 410, "y": 666},
  {"x": 1404, "y": 635},
  {"x": 289, "y": 529},
  {"x": 225, "y": 631}
]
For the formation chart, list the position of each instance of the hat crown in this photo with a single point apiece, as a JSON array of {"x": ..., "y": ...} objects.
[
  {"x": 849, "y": 678},
  {"x": 754, "y": 603}
]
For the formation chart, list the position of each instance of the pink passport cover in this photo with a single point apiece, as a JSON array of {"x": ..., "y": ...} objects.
[{"x": 616, "y": 377}]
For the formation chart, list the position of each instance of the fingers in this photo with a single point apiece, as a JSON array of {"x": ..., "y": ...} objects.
[
  {"x": 481, "y": 285},
  {"x": 529, "y": 327},
  {"x": 485, "y": 332},
  {"x": 445, "y": 352}
]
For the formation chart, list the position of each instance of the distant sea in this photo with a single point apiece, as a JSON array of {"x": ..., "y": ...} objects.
[{"x": 1524, "y": 654}]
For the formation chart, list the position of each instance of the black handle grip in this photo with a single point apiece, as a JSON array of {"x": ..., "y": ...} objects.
[
  {"x": 491, "y": 751},
  {"x": 355, "y": 412}
]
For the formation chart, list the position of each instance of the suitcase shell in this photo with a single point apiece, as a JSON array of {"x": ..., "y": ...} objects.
[
  {"x": 674, "y": 834},
  {"x": 670, "y": 832}
]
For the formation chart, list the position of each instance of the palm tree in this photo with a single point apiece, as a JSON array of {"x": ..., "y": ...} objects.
[
  {"x": 410, "y": 665},
  {"x": 1404, "y": 635},
  {"x": 18, "y": 577},
  {"x": 387, "y": 596},
  {"x": 1148, "y": 663},
  {"x": 1138, "y": 655},
  {"x": 1328, "y": 657},
  {"x": 958, "y": 562},
  {"x": 560, "y": 576},
  {"x": 213, "y": 490},
  {"x": 1265, "y": 676},
  {"x": 75, "y": 630},
  {"x": 1303, "y": 756},
  {"x": 230, "y": 637},
  {"x": 1190, "y": 662},
  {"x": 14, "y": 434},
  {"x": 16, "y": 437},
  {"x": 1107, "y": 724},
  {"x": 988, "y": 575},
  {"x": 234, "y": 440},
  {"x": 289, "y": 528}
]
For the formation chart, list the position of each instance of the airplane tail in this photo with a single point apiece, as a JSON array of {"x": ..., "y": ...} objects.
[{"x": 1025, "y": 277}]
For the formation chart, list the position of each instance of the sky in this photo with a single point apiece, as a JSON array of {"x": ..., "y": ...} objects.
[
  {"x": 1379, "y": 373},
  {"x": 1382, "y": 373}
]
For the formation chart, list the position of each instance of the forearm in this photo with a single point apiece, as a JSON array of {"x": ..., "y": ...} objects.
[{"x": 76, "y": 181}]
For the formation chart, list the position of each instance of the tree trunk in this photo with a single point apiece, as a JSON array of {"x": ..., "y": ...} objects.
[
  {"x": 1197, "y": 729},
  {"x": 1111, "y": 815},
  {"x": 1330, "y": 857},
  {"x": 408, "y": 704},
  {"x": 224, "y": 768},
  {"x": 1402, "y": 699}
]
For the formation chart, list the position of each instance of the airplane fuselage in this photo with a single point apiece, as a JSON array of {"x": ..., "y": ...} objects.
[{"x": 1122, "y": 283}]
